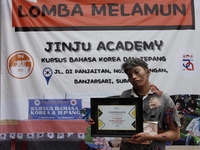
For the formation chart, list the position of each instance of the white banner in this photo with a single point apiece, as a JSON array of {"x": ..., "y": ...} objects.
[{"x": 44, "y": 60}]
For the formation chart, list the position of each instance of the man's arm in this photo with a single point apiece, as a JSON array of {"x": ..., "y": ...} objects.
[
  {"x": 191, "y": 133},
  {"x": 172, "y": 134}
]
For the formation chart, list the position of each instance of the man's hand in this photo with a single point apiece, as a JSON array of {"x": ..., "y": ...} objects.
[
  {"x": 91, "y": 121},
  {"x": 140, "y": 137}
]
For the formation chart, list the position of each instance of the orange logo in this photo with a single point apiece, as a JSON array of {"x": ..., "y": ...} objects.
[{"x": 20, "y": 64}]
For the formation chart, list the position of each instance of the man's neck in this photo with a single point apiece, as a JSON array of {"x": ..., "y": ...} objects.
[{"x": 143, "y": 90}]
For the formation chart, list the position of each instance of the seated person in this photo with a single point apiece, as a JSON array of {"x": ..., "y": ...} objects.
[
  {"x": 191, "y": 105},
  {"x": 194, "y": 133}
]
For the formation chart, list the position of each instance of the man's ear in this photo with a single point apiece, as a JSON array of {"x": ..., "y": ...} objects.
[{"x": 148, "y": 71}]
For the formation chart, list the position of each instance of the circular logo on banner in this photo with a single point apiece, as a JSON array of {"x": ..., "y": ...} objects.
[
  {"x": 37, "y": 102},
  {"x": 73, "y": 102},
  {"x": 20, "y": 64}
]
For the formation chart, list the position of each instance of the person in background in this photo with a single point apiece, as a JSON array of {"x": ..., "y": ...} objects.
[
  {"x": 157, "y": 106},
  {"x": 180, "y": 106},
  {"x": 194, "y": 132},
  {"x": 191, "y": 105}
]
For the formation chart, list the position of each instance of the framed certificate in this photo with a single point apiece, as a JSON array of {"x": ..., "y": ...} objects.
[{"x": 116, "y": 117}]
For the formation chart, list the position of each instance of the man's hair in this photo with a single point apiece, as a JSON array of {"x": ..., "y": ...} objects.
[
  {"x": 181, "y": 102},
  {"x": 133, "y": 62},
  {"x": 193, "y": 97}
]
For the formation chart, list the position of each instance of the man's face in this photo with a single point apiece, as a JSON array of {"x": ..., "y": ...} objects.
[
  {"x": 178, "y": 106},
  {"x": 138, "y": 77},
  {"x": 193, "y": 101}
]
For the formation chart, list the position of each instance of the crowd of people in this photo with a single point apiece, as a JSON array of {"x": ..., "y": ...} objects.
[{"x": 187, "y": 108}]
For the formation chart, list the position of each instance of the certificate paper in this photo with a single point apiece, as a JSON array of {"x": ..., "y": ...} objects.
[{"x": 117, "y": 117}]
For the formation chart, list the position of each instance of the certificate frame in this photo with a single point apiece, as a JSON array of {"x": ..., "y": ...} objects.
[{"x": 121, "y": 104}]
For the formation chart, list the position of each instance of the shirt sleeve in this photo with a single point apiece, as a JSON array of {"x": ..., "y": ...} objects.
[
  {"x": 171, "y": 110},
  {"x": 191, "y": 125}
]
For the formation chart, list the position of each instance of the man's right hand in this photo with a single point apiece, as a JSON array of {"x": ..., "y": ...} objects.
[{"x": 91, "y": 121}]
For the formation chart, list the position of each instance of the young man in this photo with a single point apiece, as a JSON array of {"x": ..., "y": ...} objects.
[{"x": 157, "y": 106}]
